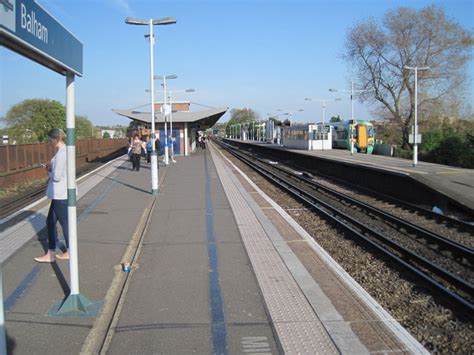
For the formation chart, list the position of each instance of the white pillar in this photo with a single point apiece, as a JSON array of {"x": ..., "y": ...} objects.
[
  {"x": 154, "y": 157},
  {"x": 71, "y": 184},
  {"x": 415, "y": 140},
  {"x": 352, "y": 117},
  {"x": 3, "y": 336},
  {"x": 164, "y": 118},
  {"x": 186, "y": 147}
]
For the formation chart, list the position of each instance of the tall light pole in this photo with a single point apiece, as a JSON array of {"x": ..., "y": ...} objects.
[
  {"x": 354, "y": 121},
  {"x": 171, "y": 119},
  {"x": 415, "y": 135},
  {"x": 154, "y": 158},
  {"x": 165, "y": 111},
  {"x": 323, "y": 101}
]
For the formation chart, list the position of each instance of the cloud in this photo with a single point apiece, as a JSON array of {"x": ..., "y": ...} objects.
[{"x": 122, "y": 5}]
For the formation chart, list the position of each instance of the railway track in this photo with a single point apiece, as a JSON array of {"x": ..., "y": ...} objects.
[
  {"x": 20, "y": 201},
  {"x": 444, "y": 265},
  {"x": 17, "y": 202},
  {"x": 461, "y": 224}
]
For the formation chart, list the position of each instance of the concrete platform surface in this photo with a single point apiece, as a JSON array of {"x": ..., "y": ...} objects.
[{"x": 215, "y": 269}]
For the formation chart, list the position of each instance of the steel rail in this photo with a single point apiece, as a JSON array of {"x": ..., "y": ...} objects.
[
  {"x": 320, "y": 206},
  {"x": 462, "y": 225},
  {"x": 35, "y": 194},
  {"x": 459, "y": 249}
]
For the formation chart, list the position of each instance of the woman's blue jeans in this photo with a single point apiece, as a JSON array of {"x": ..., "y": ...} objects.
[{"x": 57, "y": 212}]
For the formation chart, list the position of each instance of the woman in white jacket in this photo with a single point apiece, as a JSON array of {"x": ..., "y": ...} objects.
[{"x": 57, "y": 193}]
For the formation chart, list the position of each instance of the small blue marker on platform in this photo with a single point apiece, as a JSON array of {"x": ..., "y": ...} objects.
[{"x": 126, "y": 267}]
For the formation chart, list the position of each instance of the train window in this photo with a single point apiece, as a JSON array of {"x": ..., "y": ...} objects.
[
  {"x": 297, "y": 134},
  {"x": 341, "y": 135}
]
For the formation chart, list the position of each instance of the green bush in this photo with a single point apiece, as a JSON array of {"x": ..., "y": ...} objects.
[{"x": 448, "y": 148}]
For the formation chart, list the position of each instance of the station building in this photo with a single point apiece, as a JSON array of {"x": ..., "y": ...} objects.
[{"x": 186, "y": 124}]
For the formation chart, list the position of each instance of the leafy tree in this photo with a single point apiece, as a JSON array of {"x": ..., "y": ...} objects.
[
  {"x": 106, "y": 135},
  {"x": 30, "y": 120},
  {"x": 277, "y": 122},
  {"x": 379, "y": 51},
  {"x": 84, "y": 127},
  {"x": 335, "y": 119},
  {"x": 242, "y": 115}
]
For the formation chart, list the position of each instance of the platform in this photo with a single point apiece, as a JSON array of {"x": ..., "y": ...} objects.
[
  {"x": 454, "y": 183},
  {"x": 218, "y": 267}
]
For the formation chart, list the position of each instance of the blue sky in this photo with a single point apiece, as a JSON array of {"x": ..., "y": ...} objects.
[{"x": 261, "y": 54}]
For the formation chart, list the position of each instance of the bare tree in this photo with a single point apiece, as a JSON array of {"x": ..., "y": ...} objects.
[{"x": 378, "y": 53}]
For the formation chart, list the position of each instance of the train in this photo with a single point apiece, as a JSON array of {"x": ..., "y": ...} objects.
[{"x": 363, "y": 136}]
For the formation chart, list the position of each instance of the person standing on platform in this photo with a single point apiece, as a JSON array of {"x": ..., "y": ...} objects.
[
  {"x": 57, "y": 193},
  {"x": 158, "y": 147},
  {"x": 171, "y": 150},
  {"x": 137, "y": 146},
  {"x": 129, "y": 149},
  {"x": 149, "y": 144},
  {"x": 198, "y": 140}
]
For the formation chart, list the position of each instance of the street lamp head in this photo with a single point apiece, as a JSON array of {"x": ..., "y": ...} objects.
[
  {"x": 300, "y": 110},
  {"x": 338, "y": 99},
  {"x": 136, "y": 21},
  {"x": 333, "y": 90},
  {"x": 140, "y": 21},
  {"x": 416, "y": 68},
  {"x": 308, "y": 99},
  {"x": 160, "y": 77},
  {"x": 190, "y": 90},
  {"x": 165, "y": 21}
]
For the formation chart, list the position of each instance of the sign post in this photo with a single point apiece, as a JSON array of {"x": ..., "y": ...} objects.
[{"x": 26, "y": 28}]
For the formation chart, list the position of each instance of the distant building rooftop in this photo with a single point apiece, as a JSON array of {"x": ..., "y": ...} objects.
[{"x": 203, "y": 119}]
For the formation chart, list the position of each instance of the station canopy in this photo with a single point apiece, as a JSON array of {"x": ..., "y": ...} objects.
[{"x": 203, "y": 119}]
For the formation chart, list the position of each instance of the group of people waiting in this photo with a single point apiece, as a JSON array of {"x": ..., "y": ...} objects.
[
  {"x": 57, "y": 185},
  {"x": 138, "y": 149}
]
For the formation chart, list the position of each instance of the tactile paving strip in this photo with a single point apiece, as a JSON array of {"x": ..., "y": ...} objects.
[{"x": 298, "y": 328}]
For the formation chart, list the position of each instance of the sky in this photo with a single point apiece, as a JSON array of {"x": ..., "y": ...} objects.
[{"x": 260, "y": 54}]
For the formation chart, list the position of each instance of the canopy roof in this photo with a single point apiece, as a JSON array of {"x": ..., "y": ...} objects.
[{"x": 204, "y": 119}]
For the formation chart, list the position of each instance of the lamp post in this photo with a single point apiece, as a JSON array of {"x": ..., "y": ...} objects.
[
  {"x": 415, "y": 135},
  {"x": 324, "y": 109},
  {"x": 171, "y": 119},
  {"x": 154, "y": 158},
  {"x": 165, "y": 111},
  {"x": 354, "y": 121}
]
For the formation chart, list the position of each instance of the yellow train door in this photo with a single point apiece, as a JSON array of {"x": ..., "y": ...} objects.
[{"x": 362, "y": 136}]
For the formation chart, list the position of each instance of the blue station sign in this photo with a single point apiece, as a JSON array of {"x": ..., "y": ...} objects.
[{"x": 26, "y": 28}]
